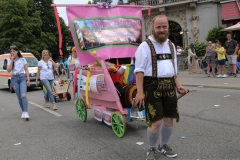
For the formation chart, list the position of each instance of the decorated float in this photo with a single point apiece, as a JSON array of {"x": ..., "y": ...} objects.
[{"x": 106, "y": 38}]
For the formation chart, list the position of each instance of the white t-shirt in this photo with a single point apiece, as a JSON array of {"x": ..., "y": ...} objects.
[
  {"x": 18, "y": 66},
  {"x": 56, "y": 68},
  {"x": 73, "y": 61},
  {"x": 46, "y": 71},
  {"x": 179, "y": 51},
  {"x": 143, "y": 61}
]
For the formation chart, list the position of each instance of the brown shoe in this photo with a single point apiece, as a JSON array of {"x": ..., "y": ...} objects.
[{"x": 54, "y": 107}]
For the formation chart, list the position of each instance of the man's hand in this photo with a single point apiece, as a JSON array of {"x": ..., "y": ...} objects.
[
  {"x": 139, "y": 99},
  {"x": 181, "y": 90}
]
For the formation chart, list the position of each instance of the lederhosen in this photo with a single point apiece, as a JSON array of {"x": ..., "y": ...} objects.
[{"x": 160, "y": 93}]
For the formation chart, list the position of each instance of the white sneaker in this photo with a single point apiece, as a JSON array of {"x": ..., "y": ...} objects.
[
  {"x": 224, "y": 76},
  {"x": 26, "y": 116},
  {"x": 219, "y": 76},
  {"x": 23, "y": 115}
]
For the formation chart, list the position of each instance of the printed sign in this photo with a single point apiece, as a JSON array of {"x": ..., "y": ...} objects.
[
  {"x": 114, "y": 32},
  {"x": 95, "y": 33}
]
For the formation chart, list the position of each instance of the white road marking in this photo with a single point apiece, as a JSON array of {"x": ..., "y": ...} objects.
[{"x": 50, "y": 111}]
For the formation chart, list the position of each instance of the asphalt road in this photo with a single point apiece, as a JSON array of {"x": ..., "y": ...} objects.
[{"x": 205, "y": 131}]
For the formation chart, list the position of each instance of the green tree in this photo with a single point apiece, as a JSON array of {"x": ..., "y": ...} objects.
[
  {"x": 216, "y": 34},
  {"x": 18, "y": 24},
  {"x": 89, "y": 2}
]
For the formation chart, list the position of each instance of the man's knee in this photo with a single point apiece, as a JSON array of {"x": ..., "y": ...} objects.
[
  {"x": 168, "y": 121},
  {"x": 156, "y": 125}
]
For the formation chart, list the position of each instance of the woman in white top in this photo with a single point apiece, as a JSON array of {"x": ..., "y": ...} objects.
[
  {"x": 19, "y": 68},
  {"x": 73, "y": 62},
  {"x": 45, "y": 70}
]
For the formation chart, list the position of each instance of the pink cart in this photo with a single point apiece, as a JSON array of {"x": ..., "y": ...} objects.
[{"x": 102, "y": 98}]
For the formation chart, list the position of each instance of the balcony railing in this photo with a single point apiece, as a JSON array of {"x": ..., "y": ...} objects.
[
  {"x": 156, "y": 2},
  {"x": 159, "y": 2}
]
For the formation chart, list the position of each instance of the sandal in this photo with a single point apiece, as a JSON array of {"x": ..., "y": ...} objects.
[
  {"x": 46, "y": 105},
  {"x": 54, "y": 107}
]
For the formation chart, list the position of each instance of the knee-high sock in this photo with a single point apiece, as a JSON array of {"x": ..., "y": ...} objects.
[
  {"x": 152, "y": 139},
  {"x": 165, "y": 134}
]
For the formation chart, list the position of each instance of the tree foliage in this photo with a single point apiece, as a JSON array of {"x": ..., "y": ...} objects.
[
  {"x": 216, "y": 34},
  {"x": 31, "y": 24}
]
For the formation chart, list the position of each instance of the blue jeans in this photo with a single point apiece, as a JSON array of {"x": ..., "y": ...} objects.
[
  {"x": 19, "y": 84},
  {"x": 48, "y": 85}
]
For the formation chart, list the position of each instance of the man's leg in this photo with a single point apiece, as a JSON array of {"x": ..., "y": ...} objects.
[
  {"x": 152, "y": 135},
  {"x": 166, "y": 131}
]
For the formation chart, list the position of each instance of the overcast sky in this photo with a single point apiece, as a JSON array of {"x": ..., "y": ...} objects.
[{"x": 62, "y": 10}]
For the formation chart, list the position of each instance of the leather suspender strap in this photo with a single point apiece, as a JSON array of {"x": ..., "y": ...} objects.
[
  {"x": 154, "y": 58},
  {"x": 173, "y": 56}
]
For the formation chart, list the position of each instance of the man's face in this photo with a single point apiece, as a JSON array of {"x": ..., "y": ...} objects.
[
  {"x": 229, "y": 36},
  {"x": 160, "y": 29}
]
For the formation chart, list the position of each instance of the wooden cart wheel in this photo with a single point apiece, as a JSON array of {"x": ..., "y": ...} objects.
[
  {"x": 118, "y": 124},
  {"x": 81, "y": 110},
  {"x": 68, "y": 95}
]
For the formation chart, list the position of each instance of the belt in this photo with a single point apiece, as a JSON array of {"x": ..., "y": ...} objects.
[
  {"x": 17, "y": 74},
  {"x": 156, "y": 78}
]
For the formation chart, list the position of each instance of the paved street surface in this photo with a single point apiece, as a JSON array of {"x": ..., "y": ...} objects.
[{"x": 208, "y": 129}]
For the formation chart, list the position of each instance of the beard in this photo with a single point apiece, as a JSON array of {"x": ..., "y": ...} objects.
[{"x": 161, "y": 36}]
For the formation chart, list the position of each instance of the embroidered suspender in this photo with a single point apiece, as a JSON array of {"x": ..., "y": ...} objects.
[{"x": 154, "y": 57}]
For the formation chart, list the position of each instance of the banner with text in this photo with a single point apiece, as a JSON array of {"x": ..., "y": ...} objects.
[{"x": 111, "y": 33}]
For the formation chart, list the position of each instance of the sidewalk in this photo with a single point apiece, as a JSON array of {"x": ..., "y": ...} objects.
[{"x": 201, "y": 80}]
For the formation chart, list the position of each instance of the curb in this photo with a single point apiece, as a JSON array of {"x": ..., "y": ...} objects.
[{"x": 211, "y": 86}]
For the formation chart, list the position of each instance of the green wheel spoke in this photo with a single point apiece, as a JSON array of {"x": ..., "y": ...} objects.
[
  {"x": 81, "y": 110},
  {"x": 118, "y": 125}
]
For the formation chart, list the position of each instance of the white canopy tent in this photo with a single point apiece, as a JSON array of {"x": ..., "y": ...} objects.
[{"x": 231, "y": 28}]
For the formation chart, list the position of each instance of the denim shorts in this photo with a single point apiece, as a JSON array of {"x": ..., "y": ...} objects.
[{"x": 221, "y": 62}]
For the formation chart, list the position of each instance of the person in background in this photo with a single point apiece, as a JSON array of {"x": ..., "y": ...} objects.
[
  {"x": 65, "y": 68},
  {"x": 221, "y": 59},
  {"x": 210, "y": 57},
  {"x": 231, "y": 49},
  {"x": 72, "y": 63},
  {"x": 57, "y": 68},
  {"x": 193, "y": 66},
  {"x": 179, "y": 50},
  {"x": 20, "y": 78},
  {"x": 45, "y": 70}
]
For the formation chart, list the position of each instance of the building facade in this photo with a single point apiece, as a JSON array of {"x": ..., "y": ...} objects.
[{"x": 190, "y": 20}]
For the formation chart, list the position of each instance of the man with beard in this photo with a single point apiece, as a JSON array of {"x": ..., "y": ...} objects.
[{"x": 156, "y": 86}]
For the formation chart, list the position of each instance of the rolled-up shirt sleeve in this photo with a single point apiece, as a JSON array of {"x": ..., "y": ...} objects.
[{"x": 141, "y": 60}]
